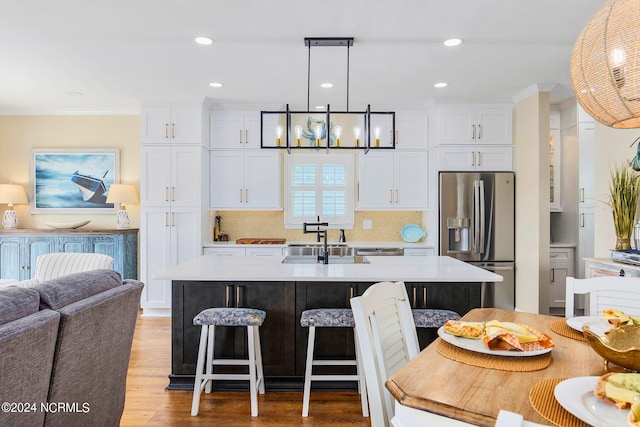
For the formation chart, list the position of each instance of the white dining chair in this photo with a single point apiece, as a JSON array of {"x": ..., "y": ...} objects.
[
  {"x": 603, "y": 292},
  {"x": 388, "y": 340}
]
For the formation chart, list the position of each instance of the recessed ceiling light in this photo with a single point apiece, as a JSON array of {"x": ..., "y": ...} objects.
[
  {"x": 74, "y": 93},
  {"x": 441, "y": 84},
  {"x": 326, "y": 85},
  {"x": 216, "y": 84},
  {"x": 320, "y": 107},
  {"x": 452, "y": 42},
  {"x": 205, "y": 41}
]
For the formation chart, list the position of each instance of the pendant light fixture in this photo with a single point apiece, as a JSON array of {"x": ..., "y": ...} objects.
[
  {"x": 328, "y": 129},
  {"x": 605, "y": 65}
]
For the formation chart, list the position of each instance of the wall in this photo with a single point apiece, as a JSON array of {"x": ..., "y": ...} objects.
[
  {"x": 19, "y": 134},
  {"x": 270, "y": 224},
  {"x": 531, "y": 164},
  {"x": 613, "y": 146}
]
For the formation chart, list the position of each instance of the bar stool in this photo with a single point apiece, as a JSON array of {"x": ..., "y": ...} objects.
[
  {"x": 432, "y": 318},
  {"x": 209, "y": 319},
  {"x": 331, "y": 318}
]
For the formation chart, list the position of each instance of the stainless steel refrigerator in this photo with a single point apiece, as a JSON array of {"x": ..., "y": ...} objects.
[{"x": 477, "y": 225}]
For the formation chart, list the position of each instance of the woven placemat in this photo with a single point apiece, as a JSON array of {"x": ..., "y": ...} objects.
[
  {"x": 500, "y": 363},
  {"x": 559, "y": 326},
  {"x": 544, "y": 402}
]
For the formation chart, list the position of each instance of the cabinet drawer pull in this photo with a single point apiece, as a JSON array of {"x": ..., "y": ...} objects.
[
  {"x": 166, "y": 219},
  {"x": 582, "y": 195},
  {"x": 424, "y": 297},
  {"x": 397, "y": 137},
  {"x": 166, "y": 194},
  {"x": 553, "y": 275},
  {"x": 173, "y": 194},
  {"x": 396, "y": 196},
  {"x": 415, "y": 297},
  {"x": 246, "y": 195},
  {"x": 581, "y": 220},
  {"x": 479, "y": 131},
  {"x": 173, "y": 130},
  {"x": 479, "y": 159},
  {"x": 473, "y": 131},
  {"x": 246, "y": 136},
  {"x": 226, "y": 296},
  {"x": 238, "y": 296},
  {"x": 173, "y": 219},
  {"x": 351, "y": 292},
  {"x": 241, "y": 195},
  {"x": 473, "y": 158},
  {"x": 166, "y": 130},
  {"x": 390, "y": 196}
]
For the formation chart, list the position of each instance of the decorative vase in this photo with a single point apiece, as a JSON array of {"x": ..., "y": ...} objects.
[{"x": 623, "y": 243}]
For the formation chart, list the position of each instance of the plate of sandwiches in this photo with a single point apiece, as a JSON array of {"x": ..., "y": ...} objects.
[
  {"x": 602, "y": 401},
  {"x": 496, "y": 338}
]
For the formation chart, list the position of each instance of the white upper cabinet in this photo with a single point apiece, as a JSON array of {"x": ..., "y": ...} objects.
[
  {"x": 392, "y": 180},
  {"x": 245, "y": 179},
  {"x": 555, "y": 162},
  {"x": 475, "y": 158},
  {"x": 235, "y": 130},
  {"x": 412, "y": 130},
  {"x": 175, "y": 124},
  {"x": 475, "y": 125}
]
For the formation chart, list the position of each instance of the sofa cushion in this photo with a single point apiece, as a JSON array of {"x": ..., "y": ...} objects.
[
  {"x": 17, "y": 302},
  {"x": 62, "y": 291}
]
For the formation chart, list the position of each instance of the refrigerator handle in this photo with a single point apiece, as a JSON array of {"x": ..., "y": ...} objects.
[
  {"x": 476, "y": 216},
  {"x": 482, "y": 213}
]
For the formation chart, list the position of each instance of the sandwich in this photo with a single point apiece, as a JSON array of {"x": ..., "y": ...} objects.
[
  {"x": 618, "y": 389},
  {"x": 514, "y": 336},
  {"x": 463, "y": 329}
]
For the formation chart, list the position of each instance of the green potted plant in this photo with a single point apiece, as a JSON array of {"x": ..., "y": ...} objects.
[{"x": 624, "y": 190}]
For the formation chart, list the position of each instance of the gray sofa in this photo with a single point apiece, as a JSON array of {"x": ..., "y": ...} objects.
[{"x": 65, "y": 346}]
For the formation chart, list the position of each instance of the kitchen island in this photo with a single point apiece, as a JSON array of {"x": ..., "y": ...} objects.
[{"x": 285, "y": 290}]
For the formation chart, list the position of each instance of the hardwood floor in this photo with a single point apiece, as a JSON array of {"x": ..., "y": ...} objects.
[{"x": 149, "y": 404}]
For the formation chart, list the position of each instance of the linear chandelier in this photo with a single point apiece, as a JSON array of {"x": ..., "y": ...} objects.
[{"x": 327, "y": 129}]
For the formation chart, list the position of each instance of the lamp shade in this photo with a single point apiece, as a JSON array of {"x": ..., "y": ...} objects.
[
  {"x": 122, "y": 193},
  {"x": 13, "y": 194},
  {"x": 605, "y": 65}
]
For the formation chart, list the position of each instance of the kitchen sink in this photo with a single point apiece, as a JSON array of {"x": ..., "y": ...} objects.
[
  {"x": 307, "y": 259},
  {"x": 315, "y": 249}
]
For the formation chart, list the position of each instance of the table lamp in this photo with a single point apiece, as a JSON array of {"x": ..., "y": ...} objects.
[
  {"x": 122, "y": 193},
  {"x": 12, "y": 194}
]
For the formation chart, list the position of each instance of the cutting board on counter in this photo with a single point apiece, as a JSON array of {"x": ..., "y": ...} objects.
[{"x": 259, "y": 241}]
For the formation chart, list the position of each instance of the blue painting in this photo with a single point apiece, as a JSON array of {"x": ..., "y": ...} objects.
[{"x": 69, "y": 180}]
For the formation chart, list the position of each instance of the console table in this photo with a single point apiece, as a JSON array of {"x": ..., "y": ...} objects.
[
  {"x": 20, "y": 247},
  {"x": 595, "y": 267}
]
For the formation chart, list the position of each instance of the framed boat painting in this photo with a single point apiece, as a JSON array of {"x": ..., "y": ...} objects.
[{"x": 73, "y": 180}]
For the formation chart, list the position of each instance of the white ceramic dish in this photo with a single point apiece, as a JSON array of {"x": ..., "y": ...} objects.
[
  {"x": 597, "y": 324},
  {"x": 478, "y": 346},
  {"x": 67, "y": 225},
  {"x": 576, "y": 396}
]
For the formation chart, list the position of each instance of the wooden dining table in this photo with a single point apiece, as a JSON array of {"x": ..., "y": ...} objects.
[{"x": 435, "y": 383}]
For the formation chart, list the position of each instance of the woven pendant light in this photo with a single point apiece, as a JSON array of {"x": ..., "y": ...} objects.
[{"x": 605, "y": 65}]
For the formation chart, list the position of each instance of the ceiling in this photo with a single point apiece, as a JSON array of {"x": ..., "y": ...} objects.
[{"x": 119, "y": 53}]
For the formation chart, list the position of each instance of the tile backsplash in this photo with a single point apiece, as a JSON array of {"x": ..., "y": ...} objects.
[{"x": 386, "y": 225}]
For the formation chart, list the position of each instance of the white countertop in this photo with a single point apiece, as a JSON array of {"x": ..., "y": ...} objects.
[
  {"x": 257, "y": 268},
  {"x": 352, "y": 244}
]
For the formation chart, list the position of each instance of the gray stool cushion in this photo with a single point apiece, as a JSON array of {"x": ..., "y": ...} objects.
[
  {"x": 328, "y": 318},
  {"x": 432, "y": 318},
  {"x": 230, "y": 317}
]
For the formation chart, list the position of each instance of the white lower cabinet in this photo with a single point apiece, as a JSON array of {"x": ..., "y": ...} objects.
[
  {"x": 392, "y": 180},
  {"x": 240, "y": 251},
  {"x": 245, "y": 179},
  {"x": 475, "y": 158},
  {"x": 168, "y": 237},
  {"x": 419, "y": 252},
  {"x": 561, "y": 266}
]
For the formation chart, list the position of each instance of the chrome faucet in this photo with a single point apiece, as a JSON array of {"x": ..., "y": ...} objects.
[{"x": 324, "y": 257}]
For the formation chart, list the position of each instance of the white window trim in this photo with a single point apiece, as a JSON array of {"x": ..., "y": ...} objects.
[{"x": 348, "y": 159}]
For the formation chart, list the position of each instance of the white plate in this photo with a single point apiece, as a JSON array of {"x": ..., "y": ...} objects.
[
  {"x": 67, "y": 224},
  {"x": 597, "y": 324},
  {"x": 576, "y": 396},
  {"x": 478, "y": 346}
]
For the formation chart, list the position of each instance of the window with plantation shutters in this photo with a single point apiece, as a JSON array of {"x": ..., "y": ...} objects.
[{"x": 319, "y": 185}]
